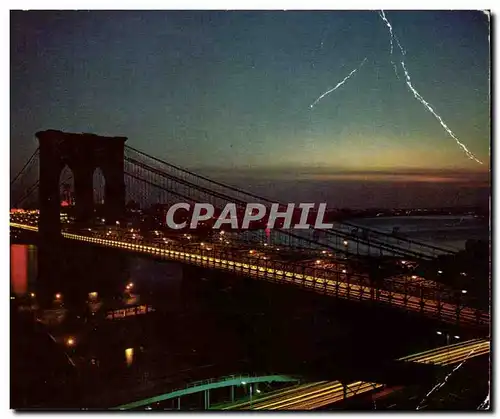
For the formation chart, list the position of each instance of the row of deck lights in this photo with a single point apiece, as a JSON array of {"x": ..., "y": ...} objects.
[
  {"x": 202, "y": 244},
  {"x": 464, "y": 292}
]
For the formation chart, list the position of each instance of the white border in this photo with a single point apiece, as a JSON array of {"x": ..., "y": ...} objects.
[{"x": 216, "y": 4}]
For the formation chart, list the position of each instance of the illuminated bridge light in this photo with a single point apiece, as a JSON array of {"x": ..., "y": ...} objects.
[{"x": 129, "y": 356}]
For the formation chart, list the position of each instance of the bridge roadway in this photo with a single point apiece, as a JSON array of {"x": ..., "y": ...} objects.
[
  {"x": 316, "y": 395},
  {"x": 324, "y": 281}
]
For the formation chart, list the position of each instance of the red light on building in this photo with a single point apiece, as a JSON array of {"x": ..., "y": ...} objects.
[{"x": 19, "y": 269}]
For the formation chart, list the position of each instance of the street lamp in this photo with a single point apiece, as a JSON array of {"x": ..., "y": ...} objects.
[{"x": 447, "y": 336}]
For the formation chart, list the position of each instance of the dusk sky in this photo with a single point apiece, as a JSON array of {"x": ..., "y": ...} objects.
[{"x": 234, "y": 89}]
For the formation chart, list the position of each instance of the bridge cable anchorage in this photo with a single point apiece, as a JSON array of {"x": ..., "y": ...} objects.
[{"x": 376, "y": 238}]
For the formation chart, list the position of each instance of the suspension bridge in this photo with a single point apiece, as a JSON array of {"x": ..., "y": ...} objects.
[{"x": 345, "y": 261}]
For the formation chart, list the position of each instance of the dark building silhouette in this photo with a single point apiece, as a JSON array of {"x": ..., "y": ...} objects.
[{"x": 82, "y": 153}]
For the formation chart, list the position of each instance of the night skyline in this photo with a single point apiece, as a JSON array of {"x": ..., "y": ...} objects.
[{"x": 233, "y": 89}]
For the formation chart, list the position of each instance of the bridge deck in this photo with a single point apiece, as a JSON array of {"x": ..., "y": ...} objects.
[{"x": 339, "y": 284}]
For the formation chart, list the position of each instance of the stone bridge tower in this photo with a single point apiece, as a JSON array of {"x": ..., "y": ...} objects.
[{"x": 82, "y": 153}]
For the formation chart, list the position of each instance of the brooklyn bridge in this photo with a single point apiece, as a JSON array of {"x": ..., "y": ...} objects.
[{"x": 359, "y": 265}]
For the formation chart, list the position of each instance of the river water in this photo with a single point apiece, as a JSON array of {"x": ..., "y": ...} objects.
[{"x": 450, "y": 232}]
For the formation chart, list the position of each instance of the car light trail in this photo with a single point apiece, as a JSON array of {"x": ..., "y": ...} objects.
[{"x": 312, "y": 396}]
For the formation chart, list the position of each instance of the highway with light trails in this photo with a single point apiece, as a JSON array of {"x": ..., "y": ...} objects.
[{"x": 312, "y": 396}]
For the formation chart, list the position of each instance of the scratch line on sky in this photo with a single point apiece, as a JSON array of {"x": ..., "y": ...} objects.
[
  {"x": 485, "y": 404},
  {"x": 391, "y": 33},
  {"x": 338, "y": 84},
  {"x": 442, "y": 383},
  {"x": 419, "y": 97}
]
